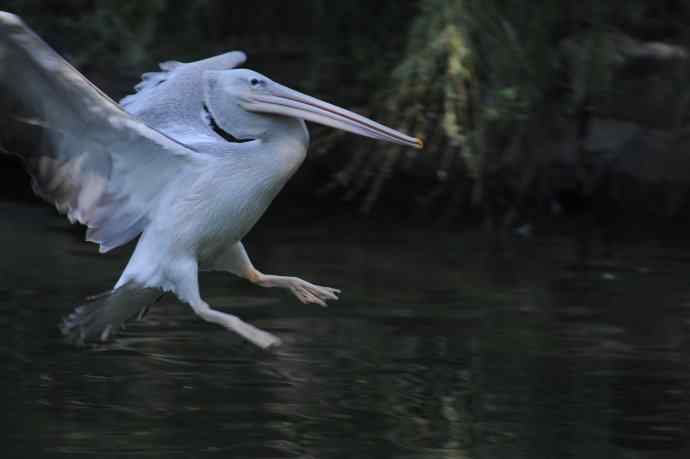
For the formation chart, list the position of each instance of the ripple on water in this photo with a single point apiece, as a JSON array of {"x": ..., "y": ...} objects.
[{"x": 517, "y": 357}]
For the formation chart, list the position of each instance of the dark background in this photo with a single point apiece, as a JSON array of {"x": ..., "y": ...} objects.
[{"x": 534, "y": 114}]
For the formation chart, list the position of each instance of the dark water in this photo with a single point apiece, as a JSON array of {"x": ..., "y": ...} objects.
[{"x": 439, "y": 348}]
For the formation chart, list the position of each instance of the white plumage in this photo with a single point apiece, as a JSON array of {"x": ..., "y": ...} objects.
[{"x": 190, "y": 162}]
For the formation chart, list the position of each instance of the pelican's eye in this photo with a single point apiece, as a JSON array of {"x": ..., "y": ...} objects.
[{"x": 254, "y": 82}]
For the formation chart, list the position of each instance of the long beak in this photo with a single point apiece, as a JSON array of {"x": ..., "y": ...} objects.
[{"x": 280, "y": 100}]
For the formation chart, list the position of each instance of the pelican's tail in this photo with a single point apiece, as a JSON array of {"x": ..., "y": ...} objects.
[{"x": 101, "y": 316}]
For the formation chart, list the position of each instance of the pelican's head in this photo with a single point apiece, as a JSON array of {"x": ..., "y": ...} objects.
[{"x": 239, "y": 100}]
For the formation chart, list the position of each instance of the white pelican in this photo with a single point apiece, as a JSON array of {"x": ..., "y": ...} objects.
[{"x": 188, "y": 163}]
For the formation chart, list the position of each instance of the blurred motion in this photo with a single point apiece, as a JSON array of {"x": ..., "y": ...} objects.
[{"x": 191, "y": 168}]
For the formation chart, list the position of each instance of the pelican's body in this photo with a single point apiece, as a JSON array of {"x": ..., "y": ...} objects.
[
  {"x": 189, "y": 163},
  {"x": 243, "y": 183}
]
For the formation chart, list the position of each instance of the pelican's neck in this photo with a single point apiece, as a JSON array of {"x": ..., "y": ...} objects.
[{"x": 289, "y": 140}]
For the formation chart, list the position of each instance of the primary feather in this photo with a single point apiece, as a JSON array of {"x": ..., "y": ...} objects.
[{"x": 97, "y": 163}]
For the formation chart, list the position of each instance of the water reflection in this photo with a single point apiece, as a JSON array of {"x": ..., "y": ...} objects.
[{"x": 441, "y": 350}]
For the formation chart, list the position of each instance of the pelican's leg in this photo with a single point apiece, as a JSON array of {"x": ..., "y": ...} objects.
[
  {"x": 187, "y": 289},
  {"x": 236, "y": 261}
]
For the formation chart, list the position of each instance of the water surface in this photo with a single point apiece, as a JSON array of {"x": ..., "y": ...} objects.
[{"x": 441, "y": 347}]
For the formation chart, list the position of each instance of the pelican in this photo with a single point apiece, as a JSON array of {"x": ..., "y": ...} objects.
[{"x": 188, "y": 164}]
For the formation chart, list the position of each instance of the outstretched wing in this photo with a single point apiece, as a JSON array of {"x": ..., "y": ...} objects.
[
  {"x": 98, "y": 164},
  {"x": 171, "y": 100}
]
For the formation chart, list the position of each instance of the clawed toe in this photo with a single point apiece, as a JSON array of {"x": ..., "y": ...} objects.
[
  {"x": 310, "y": 293},
  {"x": 305, "y": 291}
]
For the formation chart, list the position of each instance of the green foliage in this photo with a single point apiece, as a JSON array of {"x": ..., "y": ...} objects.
[
  {"x": 426, "y": 94},
  {"x": 476, "y": 79},
  {"x": 480, "y": 78}
]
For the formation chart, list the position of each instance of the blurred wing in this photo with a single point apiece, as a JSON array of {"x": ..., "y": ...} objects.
[
  {"x": 171, "y": 100},
  {"x": 97, "y": 164}
]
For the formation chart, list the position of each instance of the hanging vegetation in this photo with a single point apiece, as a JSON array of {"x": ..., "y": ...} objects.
[
  {"x": 503, "y": 92},
  {"x": 429, "y": 95}
]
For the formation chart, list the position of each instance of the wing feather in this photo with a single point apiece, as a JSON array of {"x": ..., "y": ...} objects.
[{"x": 96, "y": 163}]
